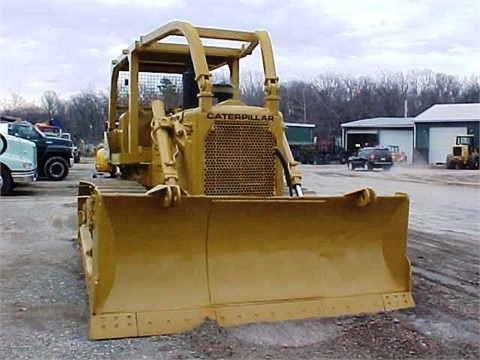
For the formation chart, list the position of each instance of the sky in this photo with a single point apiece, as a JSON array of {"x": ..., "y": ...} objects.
[{"x": 67, "y": 46}]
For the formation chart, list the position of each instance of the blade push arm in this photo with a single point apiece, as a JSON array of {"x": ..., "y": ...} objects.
[{"x": 166, "y": 135}]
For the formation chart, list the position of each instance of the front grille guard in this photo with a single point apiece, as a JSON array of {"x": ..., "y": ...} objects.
[{"x": 240, "y": 159}]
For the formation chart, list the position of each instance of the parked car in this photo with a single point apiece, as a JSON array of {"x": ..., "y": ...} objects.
[
  {"x": 18, "y": 162},
  {"x": 370, "y": 158},
  {"x": 54, "y": 155}
]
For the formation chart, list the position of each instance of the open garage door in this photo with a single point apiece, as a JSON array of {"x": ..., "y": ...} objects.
[
  {"x": 402, "y": 138},
  {"x": 362, "y": 138},
  {"x": 441, "y": 142}
]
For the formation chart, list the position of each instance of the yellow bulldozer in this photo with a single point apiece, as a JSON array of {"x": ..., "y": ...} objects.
[
  {"x": 207, "y": 217},
  {"x": 465, "y": 154}
]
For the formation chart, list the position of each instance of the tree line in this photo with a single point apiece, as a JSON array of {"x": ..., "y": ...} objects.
[
  {"x": 82, "y": 115},
  {"x": 328, "y": 100}
]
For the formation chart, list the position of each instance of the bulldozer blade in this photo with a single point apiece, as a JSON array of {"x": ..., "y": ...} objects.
[{"x": 155, "y": 270}]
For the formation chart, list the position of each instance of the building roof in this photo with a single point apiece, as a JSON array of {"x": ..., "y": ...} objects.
[
  {"x": 381, "y": 122},
  {"x": 450, "y": 112},
  {"x": 290, "y": 124}
]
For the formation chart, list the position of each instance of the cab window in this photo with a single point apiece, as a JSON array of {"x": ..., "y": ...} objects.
[
  {"x": 27, "y": 132},
  {"x": 463, "y": 141}
]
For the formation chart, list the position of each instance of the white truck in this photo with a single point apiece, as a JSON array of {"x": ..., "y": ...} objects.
[{"x": 18, "y": 158}]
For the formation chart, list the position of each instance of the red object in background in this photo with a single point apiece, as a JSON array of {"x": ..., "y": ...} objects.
[{"x": 49, "y": 129}]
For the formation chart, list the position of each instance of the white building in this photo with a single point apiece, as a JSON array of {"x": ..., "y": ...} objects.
[
  {"x": 379, "y": 131},
  {"x": 437, "y": 127}
]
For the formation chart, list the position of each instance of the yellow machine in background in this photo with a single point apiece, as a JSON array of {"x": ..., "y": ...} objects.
[
  {"x": 398, "y": 156},
  {"x": 201, "y": 227},
  {"x": 102, "y": 162},
  {"x": 465, "y": 154}
]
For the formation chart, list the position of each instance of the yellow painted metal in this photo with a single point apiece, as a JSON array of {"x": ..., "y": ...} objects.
[
  {"x": 101, "y": 161},
  {"x": 240, "y": 259},
  {"x": 210, "y": 233},
  {"x": 464, "y": 155},
  {"x": 151, "y": 54}
]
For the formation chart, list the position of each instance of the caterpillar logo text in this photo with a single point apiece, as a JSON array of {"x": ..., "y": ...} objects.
[
  {"x": 208, "y": 218},
  {"x": 213, "y": 116}
]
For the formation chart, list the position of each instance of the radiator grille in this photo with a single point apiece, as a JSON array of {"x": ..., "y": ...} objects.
[
  {"x": 240, "y": 159},
  {"x": 457, "y": 151}
]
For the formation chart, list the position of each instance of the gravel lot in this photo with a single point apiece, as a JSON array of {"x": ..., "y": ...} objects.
[{"x": 44, "y": 309}]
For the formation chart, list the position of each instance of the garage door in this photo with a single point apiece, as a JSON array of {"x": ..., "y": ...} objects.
[
  {"x": 402, "y": 138},
  {"x": 360, "y": 137},
  {"x": 441, "y": 142}
]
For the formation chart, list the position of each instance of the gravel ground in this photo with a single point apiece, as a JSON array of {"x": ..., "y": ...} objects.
[{"x": 43, "y": 299}]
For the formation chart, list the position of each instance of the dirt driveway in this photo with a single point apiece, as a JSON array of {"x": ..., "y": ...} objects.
[{"x": 44, "y": 310}]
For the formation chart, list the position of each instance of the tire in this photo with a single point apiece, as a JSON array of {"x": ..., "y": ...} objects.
[
  {"x": 7, "y": 186},
  {"x": 367, "y": 166},
  {"x": 321, "y": 159},
  {"x": 3, "y": 144},
  {"x": 328, "y": 159},
  {"x": 473, "y": 162},
  {"x": 449, "y": 162},
  {"x": 350, "y": 165},
  {"x": 387, "y": 168},
  {"x": 56, "y": 168}
]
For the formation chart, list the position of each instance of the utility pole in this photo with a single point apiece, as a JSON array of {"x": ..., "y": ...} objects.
[{"x": 304, "y": 106}]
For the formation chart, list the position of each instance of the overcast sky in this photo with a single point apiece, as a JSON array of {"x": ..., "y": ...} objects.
[{"x": 67, "y": 46}]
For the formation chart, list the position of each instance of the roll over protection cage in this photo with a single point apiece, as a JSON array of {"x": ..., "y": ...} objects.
[
  {"x": 193, "y": 35},
  {"x": 194, "y": 50}
]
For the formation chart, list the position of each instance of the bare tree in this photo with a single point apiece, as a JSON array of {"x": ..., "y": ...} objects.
[
  {"x": 20, "y": 108},
  {"x": 86, "y": 115},
  {"x": 251, "y": 88},
  {"x": 53, "y": 105},
  {"x": 18, "y": 101},
  {"x": 327, "y": 101}
]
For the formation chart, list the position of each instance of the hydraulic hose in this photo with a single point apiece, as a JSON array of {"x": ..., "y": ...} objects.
[{"x": 286, "y": 170}]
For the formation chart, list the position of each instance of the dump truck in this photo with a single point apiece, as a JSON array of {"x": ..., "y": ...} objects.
[
  {"x": 207, "y": 217},
  {"x": 54, "y": 155},
  {"x": 465, "y": 154}
]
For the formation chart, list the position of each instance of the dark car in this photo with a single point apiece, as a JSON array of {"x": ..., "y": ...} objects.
[{"x": 370, "y": 158}]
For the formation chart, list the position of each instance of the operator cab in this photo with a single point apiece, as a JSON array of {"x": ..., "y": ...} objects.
[{"x": 466, "y": 140}]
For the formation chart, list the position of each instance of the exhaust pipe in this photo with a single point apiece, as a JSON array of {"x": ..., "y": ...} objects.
[{"x": 190, "y": 87}]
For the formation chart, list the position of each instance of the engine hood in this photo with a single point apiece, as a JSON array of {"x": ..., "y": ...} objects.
[{"x": 59, "y": 141}]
